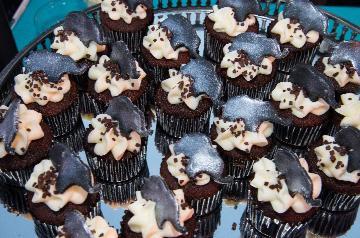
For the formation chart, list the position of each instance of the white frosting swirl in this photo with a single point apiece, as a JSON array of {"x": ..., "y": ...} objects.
[
  {"x": 107, "y": 138},
  {"x": 300, "y": 105},
  {"x": 340, "y": 73},
  {"x": 54, "y": 200},
  {"x": 157, "y": 41},
  {"x": 117, "y": 10},
  {"x": 271, "y": 188},
  {"x": 350, "y": 109},
  {"x": 224, "y": 21}
]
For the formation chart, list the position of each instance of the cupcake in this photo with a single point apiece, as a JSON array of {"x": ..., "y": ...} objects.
[
  {"x": 249, "y": 66},
  {"x": 306, "y": 100},
  {"x": 76, "y": 225},
  {"x": 183, "y": 102},
  {"x": 300, "y": 28},
  {"x": 74, "y": 139},
  {"x": 283, "y": 195},
  {"x": 115, "y": 142},
  {"x": 237, "y": 191},
  {"x": 14, "y": 199},
  {"x": 59, "y": 185},
  {"x": 168, "y": 45},
  {"x": 119, "y": 74},
  {"x": 227, "y": 20},
  {"x": 126, "y": 20},
  {"x": 46, "y": 87},
  {"x": 195, "y": 166},
  {"x": 242, "y": 133},
  {"x": 207, "y": 225},
  {"x": 158, "y": 212},
  {"x": 25, "y": 141}
]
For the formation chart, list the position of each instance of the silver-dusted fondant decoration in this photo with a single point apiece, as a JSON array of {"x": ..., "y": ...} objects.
[
  {"x": 205, "y": 78},
  {"x": 74, "y": 225},
  {"x": 349, "y": 137},
  {"x": 348, "y": 51},
  {"x": 132, "y": 4},
  {"x": 296, "y": 177},
  {"x": 252, "y": 111},
  {"x": 183, "y": 33},
  {"x": 9, "y": 126},
  {"x": 242, "y": 8},
  {"x": 202, "y": 157},
  {"x": 128, "y": 115},
  {"x": 54, "y": 65},
  {"x": 121, "y": 54},
  {"x": 166, "y": 207}
]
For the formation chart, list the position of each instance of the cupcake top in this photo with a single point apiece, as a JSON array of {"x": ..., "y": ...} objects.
[
  {"x": 285, "y": 182},
  {"x": 117, "y": 73},
  {"x": 244, "y": 123},
  {"x": 339, "y": 157},
  {"x": 234, "y": 16},
  {"x": 61, "y": 179},
  {"x": 159, "y": 211},
  {"x": 194, "y": 158},
  {"x": 299, "y": 23},
  {"x": 170, "y": 37},
  {"x": 350, "y": 110},
  {"x": 307, "y": 92},
  {"x": 79, "y": 37},
  {"x": 250, "y": 54},
  {"x": 18, "y": 128},
  {"x": 194, "y": 81},
  {"x": 118, "y": 130},
  {"x": 77, "y": 226},
  {"x": 126, "y": 10}
]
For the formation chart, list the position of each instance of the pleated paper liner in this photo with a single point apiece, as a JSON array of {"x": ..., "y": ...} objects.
[
  {"x": 213, "y": 48},
  {"x": 207, "y": 205},
  {"x": 13, "y": 198},
  {"x": 237, "y": 190},
  {"x": 239, "y": 169},
  {"x": 163, "y": 140},
  {"x": 74, "y": 139},
  {"x": 303, "y": 56},
  {"x": 247, "y": 230},
  {"x": 16, "y": 177},
  {"x": 301, "y": 152},
  {"x": 207, "y": 225},
  {"x": 338, "y": 202}
]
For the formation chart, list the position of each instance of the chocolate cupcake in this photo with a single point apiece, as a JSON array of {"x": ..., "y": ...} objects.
[
  {"x": 127, "y": 20},
  {"x": 58, "y": 185},
  {"x": 300, "y": 28},
  {"x": 119, "y": 74},
  {"x": 158, "y": 211},
  {"x": 115, "y": 142},
  {"x": 237, "y": 191},
  {"x": 163, "y": 140},
  {"x": 227, "y": 20},
  {"x": 14, "y": 199},
  {"x": 74, "y": 138},
  {"x": 183, "y": 103},
  {"x": 242, "y": 133},
  {"x": 195, "y": 166},
  {"x": 25, "y": 141},
  {"x": 283, "y": 195},
  {"x": 306, "y": 100},
  {"x": 249, "y": 66}
]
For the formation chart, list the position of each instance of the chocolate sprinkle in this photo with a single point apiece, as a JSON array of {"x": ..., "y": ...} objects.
[
  {"x": 349, "y": 137},
  {"x": 345, "y": 52},
  {"x": 132, "y": 4},
  {"x": 74, "y": 225},
  {"x": 121, "y": 54},
  {"x": 9, "y": 126},
  {"x": 242, "y": 8}
]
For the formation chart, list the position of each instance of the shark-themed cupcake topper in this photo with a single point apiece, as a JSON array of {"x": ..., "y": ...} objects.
[
  {"x": 166, "y": 208},
  {"x": 349, "y": 137},
  {"x": 183, "y": 33},
  {"x": 242, "y": 8},
  {"x": 54, "y": 65},
  {"x": 129, "y": 116},
  {"x": 296, "y": 177},
  {"x": 9, "y": 126},
  {"x": 74, "y": 225},
  {"x": 348, "y": 51},
  {"x": 257, "y": 46},
  {"x": 202, "y": 157},
  {"x": 252, "y": 111},
  {"x": 72, "y": 171},
  {"x": 132, "y": 4},
  {"x": 121, "y": 54}
]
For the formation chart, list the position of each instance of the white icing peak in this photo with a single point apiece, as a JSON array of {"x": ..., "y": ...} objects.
[
  {"x": 157, "y": 41},
  {"x": 300, "y": 105},
  {"x": 29, "y": 129},
  {"x": 112, "y": 81},
  {"x": 333, "y": 161},
  {"x": 340, "y": 73},
  {"x": 271, "y": 188},
  {"x": 117, "y": 10},
  {"x": 144, "y": 218},
  {"x": 107, "y": 138},
  {"x": 224, "y": 21},
  {"x": 54, "y": 200},
  {"x": 67, "y": 43},
  {"x": 350, "y": 109},
  {"x": 33, "y": 88}
]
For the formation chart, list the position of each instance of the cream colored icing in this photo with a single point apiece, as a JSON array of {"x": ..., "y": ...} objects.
[
  {"x": 55, "y": 201},
  {"x": 158, "y": 43},
  {"x": 74, "y": 48},
  {"x": 105, "y": 80},
  {"x": 144, "y": 218},
  {"x": 339, "y": 73},
  {"x": 333, "y": 161},
  {"x": 107, "y": 138},
  {"x": 117, "y": 10},
  {"x": 29, "y": 129},
  {"x": 300, "y": 105},
  {"x": 224, "y": 21},
  {"x": 350, "y": 109},
  {"x": 266, "y": 176}
]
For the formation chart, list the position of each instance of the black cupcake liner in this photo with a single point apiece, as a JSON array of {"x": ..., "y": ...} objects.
[
  {"x": 81, "y": 80},
  {"x": 237, "y": 190},
  {"x": 16, "y": 177},
  {"x": 207, "y": 205},
  {"x": 247, "y": 230},
  {"x": 207, "y": 225},
  {"x": 303, "y": 56},
  {"x": 74, "y": 139},
  {"x": 132, "y": 39},
  {"x": 14, "y": 199},
  {"x": 338, "y": 202},
  {"x": 301, "y": 152},
  {"x": 239, "y": 169},
  {"x": 163, "y": 140},
  {"x": 87, "y": 104},
  {"x": 213, "y": 48}
]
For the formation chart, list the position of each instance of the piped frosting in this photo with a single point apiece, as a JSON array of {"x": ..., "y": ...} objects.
[
  {"x": 350, "y": 109},
  {"x": 340, "y": 73},
  {"x": 117, "y": 10}
]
